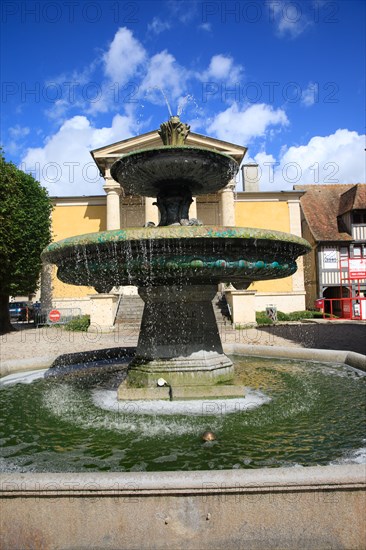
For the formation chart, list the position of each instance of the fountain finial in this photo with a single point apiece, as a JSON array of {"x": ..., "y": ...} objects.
[{"x": 174, "y": 132}]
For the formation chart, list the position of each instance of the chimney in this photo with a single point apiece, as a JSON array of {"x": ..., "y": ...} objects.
[{"x": 250, "y": 177}]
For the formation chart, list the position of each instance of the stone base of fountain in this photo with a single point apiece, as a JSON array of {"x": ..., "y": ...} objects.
[
  {"x": 179, "y": 393},
  {"x": 179, "y": 341}
]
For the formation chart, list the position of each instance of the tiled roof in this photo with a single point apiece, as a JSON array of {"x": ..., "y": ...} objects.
[
  {"x": 353, "y": 199},
  {"x": 321, "y": 204}
]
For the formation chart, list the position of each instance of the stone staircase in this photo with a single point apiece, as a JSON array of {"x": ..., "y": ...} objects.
[
  {"x": 221, "y": 310},
  {"x": 130, "y": 310}
]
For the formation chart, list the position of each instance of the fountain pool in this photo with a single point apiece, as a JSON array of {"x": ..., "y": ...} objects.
[{"x": 294, "y": 413}]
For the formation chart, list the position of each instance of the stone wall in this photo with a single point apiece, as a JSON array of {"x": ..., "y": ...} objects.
[{"x": 307, "y": 508}]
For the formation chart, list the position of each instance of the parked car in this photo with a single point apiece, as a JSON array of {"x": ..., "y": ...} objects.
[{"x": 21, "y": 311}]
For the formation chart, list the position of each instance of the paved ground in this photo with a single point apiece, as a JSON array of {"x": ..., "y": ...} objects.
[
  {"x": 29, "y": 342},
  {"x": 338, "y": 335}
]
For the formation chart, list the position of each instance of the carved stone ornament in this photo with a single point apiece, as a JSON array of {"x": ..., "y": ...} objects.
[{"x": 174, "y": 132}]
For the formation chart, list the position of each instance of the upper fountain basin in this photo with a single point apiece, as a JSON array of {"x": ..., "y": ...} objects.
[
  {"x": 149, "y": 171},
  {"x": 175, "y": 255}
]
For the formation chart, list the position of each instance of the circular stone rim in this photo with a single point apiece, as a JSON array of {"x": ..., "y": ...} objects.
[
  {"x": 151, "y": 187},
  {"x": 53, "y": 250}
]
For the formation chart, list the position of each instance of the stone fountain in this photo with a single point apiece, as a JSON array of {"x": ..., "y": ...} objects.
[{"x": 177, "y": 265}]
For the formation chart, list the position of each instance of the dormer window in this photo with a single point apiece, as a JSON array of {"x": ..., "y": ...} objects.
[
  {"x": 359, "y": 217},
  {"x": 342, "y": 225}
]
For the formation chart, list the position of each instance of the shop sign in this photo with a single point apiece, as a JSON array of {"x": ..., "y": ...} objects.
[{"x": 357, "y": 268}]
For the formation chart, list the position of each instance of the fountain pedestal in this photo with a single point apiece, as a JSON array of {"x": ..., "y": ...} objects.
[{"x": 179, "y": 339}]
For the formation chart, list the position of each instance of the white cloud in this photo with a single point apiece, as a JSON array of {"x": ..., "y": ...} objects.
[
  {"x": 337, "y": 158},
  {"x": 70, "y": 91},
  {"x": 241, "y": 125},
  {"x": 158, "y": 26},
  {"x": 123, "y": 64},
  {"x": 183, "y": 12},
  {"x": 124, "y": 56},
  {"x": 60, "y": 108},
  {"x": 17, "y": 134},
  {"x": 165, "y": 73},
  {"x": 64, "y": 164},
  {"x": 84, "y": 92},
  {"x": 205, "y": 27},
  {"x": 18, "y": 131},
  {"x": 310, "y": 94},
  {"x": 222, "y": 68},
  {"x": 288, "y": 17}
]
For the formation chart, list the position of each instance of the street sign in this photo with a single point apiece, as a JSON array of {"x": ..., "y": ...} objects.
[{"x": 54, "y": 315}]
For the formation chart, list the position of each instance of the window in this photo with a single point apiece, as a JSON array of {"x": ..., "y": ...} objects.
[{"x": 359, "y": 216}]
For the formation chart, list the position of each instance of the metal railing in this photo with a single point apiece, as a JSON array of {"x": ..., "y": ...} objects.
[
  {"x": 344, "y": 308},
  {"x": 66, "y": 314}
]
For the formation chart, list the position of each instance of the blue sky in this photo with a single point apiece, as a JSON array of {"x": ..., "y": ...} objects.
[{"x": 285, "y": 79}]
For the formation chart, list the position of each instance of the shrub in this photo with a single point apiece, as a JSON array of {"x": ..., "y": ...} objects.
[
  {"x": 78, "y": 324},
  {"x": 281, "y": 316},
  {"x": 317, "y": 314},
  {"x": 298, "y": 315},
  {"x": 321, "y": 315},
  {"x": 262, "y": 318}
]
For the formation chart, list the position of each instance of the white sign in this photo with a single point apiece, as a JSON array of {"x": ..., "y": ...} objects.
[{"x": 330, "y": 258}]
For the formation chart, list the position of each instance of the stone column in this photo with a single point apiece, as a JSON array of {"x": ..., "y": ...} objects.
[
  {"x": 113, "y": 190},
  {"x": 295, "y": 229},
  {"x": 227, "y": 207},
  {"x": 151, "y": 211}
]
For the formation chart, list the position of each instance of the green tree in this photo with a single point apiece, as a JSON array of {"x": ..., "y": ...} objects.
[{"x": 25, "y": 230}]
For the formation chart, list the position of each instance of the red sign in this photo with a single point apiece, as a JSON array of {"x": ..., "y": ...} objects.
[
  {"x": 319, "y": 304},
  {"x": 54, "y": 315},
  {"x": 357, "y": 268}
]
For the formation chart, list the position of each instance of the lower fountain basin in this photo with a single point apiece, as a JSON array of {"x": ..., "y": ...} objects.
[
  {"x": 175, "y": 255},
  {"x": 318, "y": 506},
  {"x": 289, "y": 416}
]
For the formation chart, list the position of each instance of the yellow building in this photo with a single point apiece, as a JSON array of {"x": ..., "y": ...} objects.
[{"x": 251, "y": 208}]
